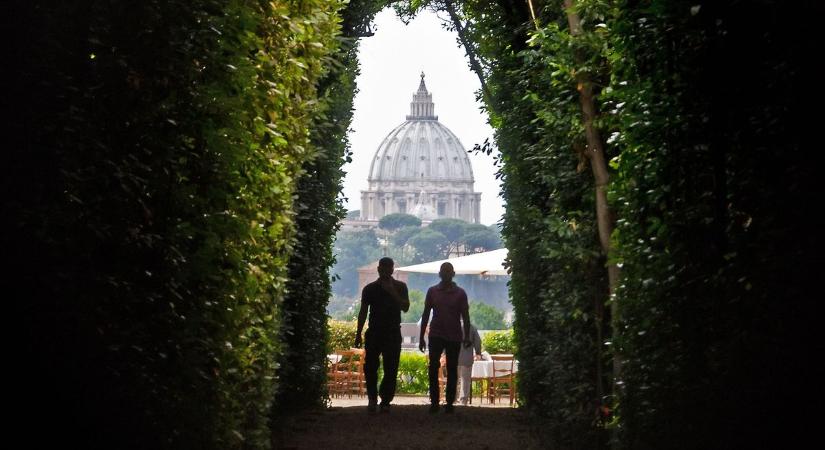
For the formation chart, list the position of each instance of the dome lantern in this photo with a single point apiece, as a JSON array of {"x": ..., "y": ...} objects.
[{"x": 422, "y": 106}]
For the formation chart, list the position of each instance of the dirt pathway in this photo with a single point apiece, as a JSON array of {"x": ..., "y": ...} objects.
[{"x": 409, "y": 426}]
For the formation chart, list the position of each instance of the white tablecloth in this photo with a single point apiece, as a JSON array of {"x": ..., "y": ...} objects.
[{"x": 484, "y": 369}]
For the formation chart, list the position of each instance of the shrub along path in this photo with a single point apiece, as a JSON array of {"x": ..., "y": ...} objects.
[{"x": 409, "y": 426}]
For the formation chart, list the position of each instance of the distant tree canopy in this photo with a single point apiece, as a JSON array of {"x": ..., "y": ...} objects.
[
  {"x": 482, "y": 240},
  {"x": 416, "y": 307},
  {"x": 453, "y": 230},
  {"x": 486, "y": 317},
  {"x": 353, "y": 249},
  {"x": 393, "y": 222},
  {"x": 441, "y": 239},
  {"x": 429, "y": 245},
  {"x": 401, "y": 236}
]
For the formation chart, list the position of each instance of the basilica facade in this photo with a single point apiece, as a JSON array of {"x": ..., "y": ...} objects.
[{"x": 421, "y": 168}]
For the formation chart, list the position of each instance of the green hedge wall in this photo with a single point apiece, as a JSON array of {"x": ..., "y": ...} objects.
[
  {"x": 155, "y": 150},
  {"x": 700, "y": 106},
  {"x": 717, "y": 249},
  {"x": 696, "y": 104},
  {"x": 558, "y": 283},
  {"x": 318, "y": 211}
]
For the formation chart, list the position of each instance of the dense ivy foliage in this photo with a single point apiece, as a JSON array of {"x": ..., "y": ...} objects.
[
  {"x": 341, "y": 335},
  {"x": 709, "y": 103},
  {"x": 413, "y": 373},
  {"x": 498, "y": 342},
  {"x": 558, "y": 280},
  {"x": 155, "y": 152},
  {"x": 318, "y": 211},
  {"x": 700, "y": 107}
]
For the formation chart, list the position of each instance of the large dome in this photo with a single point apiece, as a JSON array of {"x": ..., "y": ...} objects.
[
  {"x": 421, "y": 149},
  {"x": 421, "y": 168}
]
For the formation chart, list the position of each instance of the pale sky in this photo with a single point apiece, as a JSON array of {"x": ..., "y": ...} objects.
[{"x": 391, "y": 63}]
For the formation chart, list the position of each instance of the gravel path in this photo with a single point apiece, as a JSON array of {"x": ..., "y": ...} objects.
[{"x": 408, "y": 425}]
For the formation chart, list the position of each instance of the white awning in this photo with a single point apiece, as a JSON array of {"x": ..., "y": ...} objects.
[{"x": 487, "y": 263}]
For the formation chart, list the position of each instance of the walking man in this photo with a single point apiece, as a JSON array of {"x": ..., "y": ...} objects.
[
  {"x": 384, "y": 298},
  {"x": 449, "y": 306}
]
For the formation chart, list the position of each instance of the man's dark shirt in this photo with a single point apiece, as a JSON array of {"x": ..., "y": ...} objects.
[{"x": 385, "y": 313}]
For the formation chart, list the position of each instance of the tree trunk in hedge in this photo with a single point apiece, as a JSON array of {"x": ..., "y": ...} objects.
[
  {"x": 598, "y": 164},
  {"x": 471, "y": 54}
]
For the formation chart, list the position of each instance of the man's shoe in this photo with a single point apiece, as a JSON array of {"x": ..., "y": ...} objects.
[
  {"x": 371, "y": 407},
  {"x": 448, "y": 408},
  {"x": 384, "y": 408},
  {"x": 433, "y": 408}
]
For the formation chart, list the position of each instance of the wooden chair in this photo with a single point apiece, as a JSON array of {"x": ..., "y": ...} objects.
[
  {"x": 503, "y": 380},
  {"x": 335, "y": 379},
  {"x": 359, "y": 382},
  {"x": 480, "y": 382},
  {"x": 346, "y": 376}
]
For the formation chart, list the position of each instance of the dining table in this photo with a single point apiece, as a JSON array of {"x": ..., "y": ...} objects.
[{"x": 483, "y": 371}]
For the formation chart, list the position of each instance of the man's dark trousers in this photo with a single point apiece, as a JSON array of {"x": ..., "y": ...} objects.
[
  {"x": 388, "y": 345},
  {"x": 452, "y": 348}
]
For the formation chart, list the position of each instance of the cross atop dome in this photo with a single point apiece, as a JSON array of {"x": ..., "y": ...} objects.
[
  {"x": 422, "y": 106},
  {"x": 422, "y": 88}
]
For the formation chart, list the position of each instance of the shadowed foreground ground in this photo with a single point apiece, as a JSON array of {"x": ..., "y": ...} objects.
[{"x": 409, "y": 426}]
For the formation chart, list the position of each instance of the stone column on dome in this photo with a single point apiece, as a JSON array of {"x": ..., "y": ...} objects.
[
  {"x": 472, "y": 208},
  {"x": 368, "y": 214},
  {"x": 364, "y": 213},
  {"x": 379, "y": 205}
]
